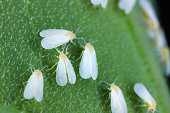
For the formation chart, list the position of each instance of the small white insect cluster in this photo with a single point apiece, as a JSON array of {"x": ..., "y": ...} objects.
[
  {"x": 156, "y": 33},
  {"x": 118, "y": 103},
  {"x": 53, "y": 38},
  {"x": 88, "y": 65},
  {"x": 126, "y": 5}
]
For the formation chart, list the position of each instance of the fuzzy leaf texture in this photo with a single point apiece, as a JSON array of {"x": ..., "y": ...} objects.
[{"x": 124, "y": 51}]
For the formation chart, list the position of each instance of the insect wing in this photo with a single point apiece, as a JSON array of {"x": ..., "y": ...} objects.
[
  {"x": 61, "y": 76},
  {"x": 70, "y": 72}
]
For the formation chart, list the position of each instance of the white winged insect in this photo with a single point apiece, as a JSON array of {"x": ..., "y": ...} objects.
[
  {"x": 159, "y": 40},
  {"x": 64, "y": 69},
  {"x": 150, "y": 17},
  {"x": 118, "y": 104},
  {"x": 127, "y": 5},
  {"x": 55, "y": 37},
  {"x": 144, "y": 94},
  {"x": 88, "y": 65},
  {"x": 34, "y": 87},
  {"x": 165, "y": 57},
  {"x": 98, "y": 2}
]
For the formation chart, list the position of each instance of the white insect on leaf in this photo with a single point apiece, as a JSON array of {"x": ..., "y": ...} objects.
[
  {"x": 34, "y": 87},
  {"x": 127, "y": 5},
  {"x": 118, "y": 104},
  {"x": 55, "y": 37},
  {"x": 159, "y": 40},
  {"x": 64, "y": 69},
  {"x": 103, "y": 3},
  {"x": 165, "y": 57},
  {"x": 156, "y": 33},
  {"x": 88, "y": 65},
  {"x": 144, "y": 94},
  {"x": 150, "y": 17}
]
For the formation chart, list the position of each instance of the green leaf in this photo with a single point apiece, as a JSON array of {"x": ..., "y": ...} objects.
[
  {"x": 8, "y": 109},
  {"x": 123, "y": 49}
]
